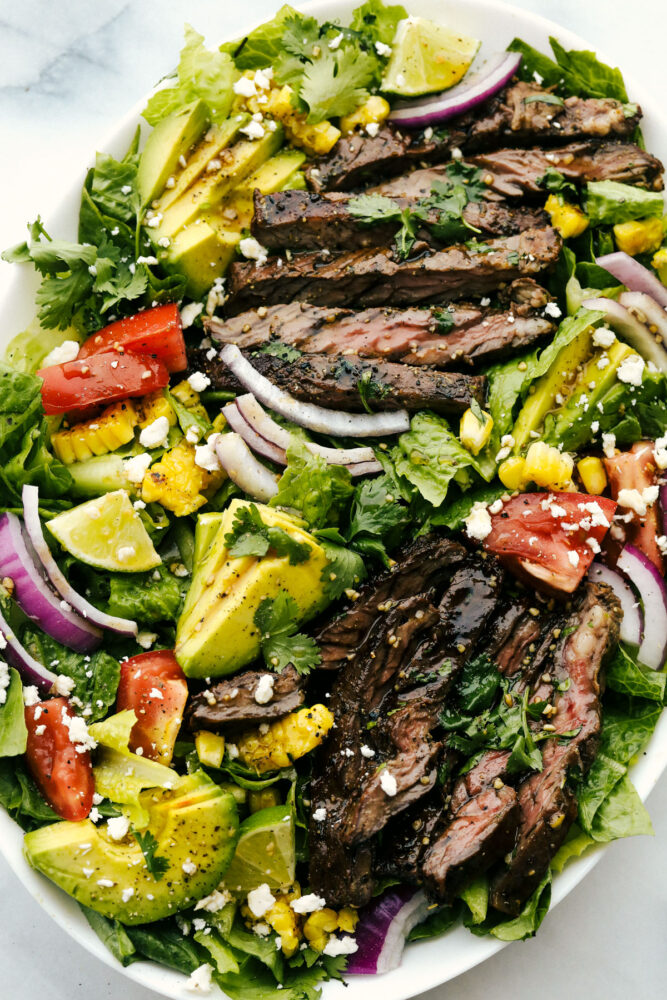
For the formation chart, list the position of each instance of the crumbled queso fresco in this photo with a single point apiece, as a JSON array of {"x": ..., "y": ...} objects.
[
  {"x": 478, "y": 523},
  {"x": 631, "y": 370}
]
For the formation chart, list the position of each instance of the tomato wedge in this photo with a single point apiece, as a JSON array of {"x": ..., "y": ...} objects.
[
  {"x": 550, "y": 539},
  {"x": 154, "y": 685},
  {"x": 99, "y": 379},
  {"x": 63, "y": 772},
  {"x": 156, "y": 332},
  {"x": 636, "y": 470}
]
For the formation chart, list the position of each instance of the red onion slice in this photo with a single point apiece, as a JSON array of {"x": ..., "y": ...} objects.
[
  {"x": 35, "y": 597},
  {"x": 30, "y": 669},
  {"x": 650, "y": 586},
  {"x": 337, "y": 423},
  {"x": 631, "y": 329},
  {"x": 243, "y": 468},
  {"x": 632, "y": 626},
  {"x": 268, "y": 438},
  {"x": 383, "y": 929},
  {"x": 633, "y": 275},
  {"x": 33, "y": 526},
  {"x": 473, "y": 90}
]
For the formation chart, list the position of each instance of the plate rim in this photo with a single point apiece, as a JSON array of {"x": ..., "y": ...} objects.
[{"x": 15, "y": 284}]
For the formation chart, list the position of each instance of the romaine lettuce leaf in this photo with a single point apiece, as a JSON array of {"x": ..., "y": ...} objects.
[
  {"x": 13, "y": 731},
  {"x": 146, "y": 597},
  {"x": 628, "y": 677},
  {"x": 95, "y": 677},
  {"x": 610, "y": 202},
  {"x": 531, "y": 916},
  {"x": 316, "y": 490},
  {"x": 577, "y": 72},
  {"x": 430, "y": 456}
]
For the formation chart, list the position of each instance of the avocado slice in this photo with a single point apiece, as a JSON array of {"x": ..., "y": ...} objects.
[
  {"x": 195, "y": 822},
  {"x": 216, "y": 139},
  {"x": 202, "y": 254},
  {"x": 236, "y": 212},
  {"x": 216, "y": 633},
  {"x": 238, "y": 161},
  {"x": 170, "y": 139}
]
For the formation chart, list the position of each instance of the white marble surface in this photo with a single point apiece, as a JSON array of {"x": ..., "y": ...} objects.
[{"x": 68, "y": 70}]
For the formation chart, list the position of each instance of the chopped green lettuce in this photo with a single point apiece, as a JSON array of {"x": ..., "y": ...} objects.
[
  {"x": 610, "y": 202},
  {"x": 316, "y": 490},
  {"x": 202, "y": 74},
  {"x": 378, "y": 521},
  {"x": 577, "y": 72},
  {"x": 95, "y": 676},
  {"x": 476, "y": 897},
  {"x": 533, "y": 913},
  {"x": 146, "y": 597},
  {"x": 430, "y": 456}
]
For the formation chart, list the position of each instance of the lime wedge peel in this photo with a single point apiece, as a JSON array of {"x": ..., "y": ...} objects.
[
  {"x": 265, "y": 852},
  {"x": 427, "y": 57},
  {"x": 107, "y": 533}
]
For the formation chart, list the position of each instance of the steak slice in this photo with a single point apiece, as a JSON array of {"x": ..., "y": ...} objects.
[
  {"x": 233, "y": 701},
  {"x": 514, "y": 173},
  {"x": 350, "y": 383},
  {"x": 303, "y": 220},
  {"x": 548, "y": 806},
  {"x": 420, "y": 566},
  {"x": 516, "y": 116},
  {"x": 474, "y": 333},
  {"x": 374, "y": 277}
]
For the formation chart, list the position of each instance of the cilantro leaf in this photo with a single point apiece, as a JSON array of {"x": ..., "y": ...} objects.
[
  {"x": 372, "y": 208},
  {"x": 377, "y": 519},
  {"x": 279, "y": 350},
  {"x": 156, "y": 864},
  {"x": 251, "y": 537},
  {"x": 345, "y": 569},
  {"x": 337, "y": 82},
  {"x": 552, "y": 180},
  {"x": 202, "y": 74},
  {"x": 444, "y": 319},
  {"x": 281, "y": 644}
]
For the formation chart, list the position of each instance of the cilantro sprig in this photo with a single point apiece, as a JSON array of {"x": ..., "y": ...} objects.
[
  {"x": 281, "y": 643},
  {"x": 156, "y": 864},
  {"x": 251, "y": 537}
]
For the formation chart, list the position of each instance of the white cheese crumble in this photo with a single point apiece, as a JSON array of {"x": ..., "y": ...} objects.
[
  {"x": 156, "y": 693},
  {"x": 106, "y": 883},
  {"x": 573, "y": 557},
  {"x": 125, "y": 552},
  {"x": 150, "y": 259},
  {"x": 127, "y": 894},
  {"x": 78, "y": 732},
  {"x": 639, "y": 502},
  {"x": 155, "y": 434},
  {"x": 551, "y": 309},
  {"x": 660, "y": 452},
  {"x": 263, "y": 78},
  {"x": 264, "y": 689},
  {"x": 31, "y": 697},
  {"x": 117, "y": 827},
  {"x": 609, "y": 445},
  {"x": 661, "y": 542},
  {"x": 189, "y": 313},
  {"x": 340, "y": 946},
  {"x": 631, "y": 369},
  {"x": 309, "y": 903},
  {"x": 320, "y": 814},
  {"x": 136, "y": 467},
  {"x": 382, "y": 49},
  {"x": 60, "y": 355},
  {"x": 189, "y": 867},
  {"x": 216, "y": 297},
  {"x": 5, "y": 678},
  {"x": 372, "y": 129},
  {"x": 200, "y": 980},
  {"x": 206, "y": 456},
  {"x": 214, "y": 902},
  {"x": 335, "y": 42},
  {"x": 254, "y": 130},
  {"x": 63, "y": 686},
  {"x": 146, "y": 639},
  {"x": 388, "y": 783},
  {"x": 478, "y": 522},
  {"x": 260, "y": 900},
  {"x": 253, "y": 250},
  {"x": 367, "y": 751},
  {"x": 198, "y": 382},
  {"x": 604, "y": 337},
  {"x": 245, "y": 87}
]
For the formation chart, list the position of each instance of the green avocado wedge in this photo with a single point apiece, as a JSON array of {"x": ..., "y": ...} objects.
[{"x": 195, "y": 827}]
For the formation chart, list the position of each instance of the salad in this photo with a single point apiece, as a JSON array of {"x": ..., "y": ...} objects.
[{"x": 334, "y": 522}]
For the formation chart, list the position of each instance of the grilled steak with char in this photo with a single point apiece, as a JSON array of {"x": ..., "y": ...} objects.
[
  {"x": 233, "y": 701},
  {"x": 372, "y": 277},
  {"x": 350, "y": 383}
]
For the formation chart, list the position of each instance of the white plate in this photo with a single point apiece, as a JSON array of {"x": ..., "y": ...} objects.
[{"x": 428, "y": 963}]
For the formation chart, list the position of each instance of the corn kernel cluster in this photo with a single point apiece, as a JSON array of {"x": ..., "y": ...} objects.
[{"x": 286, "y": 739}]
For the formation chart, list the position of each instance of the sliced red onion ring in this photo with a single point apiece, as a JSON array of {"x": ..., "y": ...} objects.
[
  {"x": 33, "y": 527},
  {"x": 631, "y": 329},
  {"x": 632, "y": 626},
  {"x": 634, "y": 275},
  {"x": 29, "y": 668},
  {"x": 383, "y": 929},
  {"x": 652, "y": 315},
  {"x": 337, "y": 423},
  {"x": 35, "y": 597},
  {"x": 277, "y": 439},
  {"x": 651, "y": 588},
  {"x": 243, "y": 468},
  {"x": 473, "y": 90}
]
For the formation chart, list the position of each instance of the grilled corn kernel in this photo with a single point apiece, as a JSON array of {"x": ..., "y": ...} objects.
[
  {"x": 111, "y": 430},
  {"x": 155, "y": 405},
  {"x": 264, "y": 799},
  {"x": 660, "y": 264},
  {"x": 285, "y": 740},
  {"x": 210, "y": 748},
  {"x": 186, "y": 395},
  {"x": 511, "y": 472},
  {"x": 319, "y": 926},
  {"x": 318, "y": 140},
  {"x": 568, "y": 219},
  {"x": 548, "y": 466},
  {"x": 473, "y": 432},
  {"x": 592, "y": 474},
  {"x": 177, "y": 482},
  {"x": 347, "y": 920},
  {"x": 374, "y": 110},
  {"x": 285, "y": 922},
  {"x": 640, "y": 236}
]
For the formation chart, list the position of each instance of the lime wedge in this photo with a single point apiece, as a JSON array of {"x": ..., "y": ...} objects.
[
  {"x": 265, "y": 852},
  {"x": 427, "y": 57},
  {"x": 107, "y": 533}
]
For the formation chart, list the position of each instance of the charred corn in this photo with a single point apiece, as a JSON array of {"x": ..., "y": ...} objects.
[
  {"x": 155, "y": 405},
  {"x": 210, "y": 748},
  {"x": 319, "y": 927},
  {"x": 316, "y": 139},
  {"x": 512, "y": 472},
  {"x": 177, "y": 482},
  {"x": 639, "y": 236},
  {"x": 548, "y": 467},
  {"x": 186, "y": 395},
  {"x": 348, "y": 920},
  {"x": 568, "y": 219},
  {"x": 285, "y": 740},
  {"x": 111, "y": 430},
  {"x": 373, "y": 111},
  {"x": 660, "y": 264},
  {"x": 285, "y": 922},
  {"x": 592, "y": 474},
  {"x": 475, "y": 433}
]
